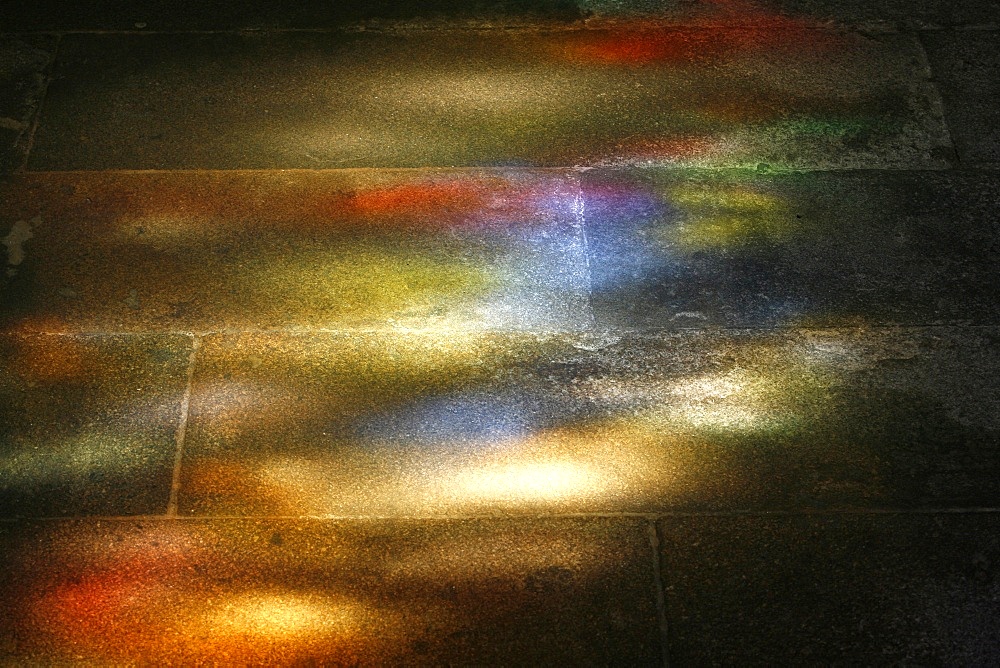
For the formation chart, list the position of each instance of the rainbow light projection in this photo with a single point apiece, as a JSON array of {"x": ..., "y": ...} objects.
[
  {"x": 380, "y": 343},
  {"x": 750, "y": 88}
]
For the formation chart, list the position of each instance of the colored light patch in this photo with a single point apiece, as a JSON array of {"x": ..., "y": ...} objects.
[
  {"x": 278, "y": 616},
  {"x": 74, "y": 458},
  {"x": 91, "y": 612},
  {"x": 178, "y": 213},
  {"x": 467, "y": 440},
  {"x": 241, "y": 405},
  {"x": 715, "y": 197},
  {"x": 728, "y": 217},
  {"x": 342, "y": 373},
  {"x": 475, "y": 249},
  {"x": 646, "y": 448},
  {"x": 473, "y": 418},
  {"x": 109, "y": 587},
  {"x": 300, "y": 592},
  {"x": 630, "y": 253},
  {"x": 419, "y": 199},
  {"x": 367, "y": 282},
  {"x": 455, "y": 202},
  {"x": 501, "y": 92},
  {"x": 640, "y": 45},
  {"x": 228, "y": 479},
  {"x": 404, "y": 481},
  {"x": 526, "y": 483},
  {"x": 127, "y": 605},
  {"x": 779, "y": 397},
  {"x": 540, "y": 292},
  {"x": 39, "y": 361},
  {"x": 429, "y": 358}
]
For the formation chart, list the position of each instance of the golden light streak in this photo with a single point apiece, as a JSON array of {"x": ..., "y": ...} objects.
[
  {"x": 525, "y": 482},
  {"x": 278, "y": 616}
]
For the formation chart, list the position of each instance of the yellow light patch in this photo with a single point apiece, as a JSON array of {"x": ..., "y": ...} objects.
[
  {"x": 367, "y": 282},
  {"x": 529, "y": 481},
  {"x": 517, "y": 92},
  {"x": 277, "y": 616},
  {"x": 728, "y": 218}
]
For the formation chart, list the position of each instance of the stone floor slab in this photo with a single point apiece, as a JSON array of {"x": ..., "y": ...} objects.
[
  {"x": 416, "y": 425},
  {"x": 791, "y": 96},
  {"x": 211, "y": 251},
  {"x": 536, "y": 592},
  {"x": 670, "y": 249},
  {"x": 966, "y": 65},
  {"x": 858, "y": 590},
  {"x": 88, "y": 424}
]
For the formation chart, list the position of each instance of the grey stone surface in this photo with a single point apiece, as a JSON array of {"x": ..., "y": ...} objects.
[
  {"x": 88, "y": 424},
  {"x": 529, "y": 592},
  {"x": 623, "y": 96},
  {"x": 966, "y": 65},
  {"x": 401, "y": 424},
  {"x": 843, "y": 590},
  {"x": 23, "y": 65},
  {"x": 673, "y": 250}
]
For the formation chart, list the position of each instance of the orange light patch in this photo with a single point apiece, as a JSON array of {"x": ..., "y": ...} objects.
[
  {"x": 439, "y": 203},
  {"x": 639, "y": 46},
  {"x": 39, "y": 361}
]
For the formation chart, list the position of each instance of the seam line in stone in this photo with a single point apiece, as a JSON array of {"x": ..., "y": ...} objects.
[
  {"x": 175, "y": 481},
  {"x": 569, "y": 333},
  {"x": 514, "y": 517},
  {"x": 636, "y": 168},
  {"x": 580, "y": 216},
  {"x": 661, "y": 600},
  {"x": 474, "y": 26}
]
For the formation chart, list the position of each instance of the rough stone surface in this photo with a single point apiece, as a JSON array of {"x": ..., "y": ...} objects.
[
  {"x": 393, "y": 424},
  {"x": 568, "y": 591},
  {"x": 900, "y": 590},
  {"x": 967, "y": 67},
  {"x": 679, "y": 250},
  {"x": 793, "y": 97},
  {"x": 87, "y": 424}
]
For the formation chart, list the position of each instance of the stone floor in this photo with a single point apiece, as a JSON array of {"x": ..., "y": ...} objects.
[{"x": 632, "y": 332}]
